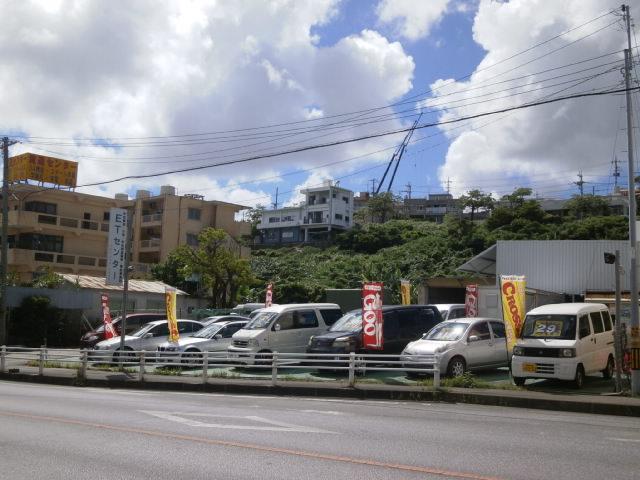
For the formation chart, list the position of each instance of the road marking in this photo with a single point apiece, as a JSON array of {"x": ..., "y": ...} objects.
[
  {"x": 326, "y": 412},
  {"x": 634, "y": 440},
  {"x": 260, "y": 448},
  {"x": 271, "y": 425}
]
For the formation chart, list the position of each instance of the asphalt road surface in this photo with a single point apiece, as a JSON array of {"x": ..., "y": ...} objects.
[{"x": 50, "y": 432}]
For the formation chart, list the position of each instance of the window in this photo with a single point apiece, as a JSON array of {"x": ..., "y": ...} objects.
[
  {"x": 330, "y": 316},
  {"x": 346, "y": 200},
  {"x": 194, "y": 213},
  {"x": 192, "y": 239},
  {"x": 426, "y": 320},
  {"x": 306, "y": 319},
  {"x": 274, "y": 219},
  {"x": 498, "y": 330},
  {"x": 229, "y": 330},
  {"x": 41, "y": 207},
  {"x": 162, "y": 330},
  {"x": 338, "y": 216},
  {"x": 607, "y": 321},
  {"x": 105, "y": 216},
  {"x": 285, "y": 320},
  {"x": 46, "y": 243},
  {"x": 288, "y": 218},
  {"x": 584, "y": 328},
  {"x": 480, "y": 330},
  {"x": 596, "y": 320},
  {"x": 390, "y": 326},
  {"x": 409, "y": 323},
  {"x": 86, "y": 216},
  {"x": 456, "y": 313},
  {"x": 346, "y": 219},
  {"x": 187, "y": 327}
]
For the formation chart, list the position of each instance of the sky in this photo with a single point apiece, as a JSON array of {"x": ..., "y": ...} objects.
[{"x": 189, "y": 93}]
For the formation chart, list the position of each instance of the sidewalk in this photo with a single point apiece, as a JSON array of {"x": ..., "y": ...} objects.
[{"x": 598, "y": 404}]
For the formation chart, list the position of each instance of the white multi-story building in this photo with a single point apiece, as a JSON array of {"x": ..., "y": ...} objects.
[{"x": 326, "y": 210}]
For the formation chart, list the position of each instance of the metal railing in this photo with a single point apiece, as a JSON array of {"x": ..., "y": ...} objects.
[{"x": 352, "y": 364}]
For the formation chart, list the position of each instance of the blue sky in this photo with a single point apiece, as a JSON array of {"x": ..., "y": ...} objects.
[{"x": 131, "y": 89}]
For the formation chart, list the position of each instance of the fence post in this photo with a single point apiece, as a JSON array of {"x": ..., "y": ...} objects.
[
  {"x": 274, "y": 369},
  {"x": 41, "y": 361},
  {"x": 352, "y": 369},
  {"x": 3, "y": 359},
  {"x": 82, "y": 372},
  {"x": 205, "y": 366},
  {"x": 436, "y": 372},
  {"x": 142, "y": 363}
]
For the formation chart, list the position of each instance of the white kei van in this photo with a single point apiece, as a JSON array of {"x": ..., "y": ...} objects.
[
  {"x": 282, "y": 328},
  {"x": 565, "y": 341}
]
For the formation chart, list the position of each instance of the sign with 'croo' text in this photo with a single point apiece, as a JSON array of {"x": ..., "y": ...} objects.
[
  {"x": 512, "y": 288},
  {"x": 116, "y": 249},
  {"x": 372, "y": 316}
]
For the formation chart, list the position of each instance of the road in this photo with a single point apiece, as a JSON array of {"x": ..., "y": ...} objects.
[{"x": 53, "y": 432}]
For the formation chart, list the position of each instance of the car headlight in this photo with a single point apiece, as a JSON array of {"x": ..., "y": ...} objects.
[
  {"x": 344, "y": 340},
  {"x": 92, "y": 338},
  {"x": 310, "y": 340},
  {"x": 442, "y": 348},
  {"x": 518, "y": 350},
  {"x": 253, "y": 342},
  {"x": 568, "y": 352}
]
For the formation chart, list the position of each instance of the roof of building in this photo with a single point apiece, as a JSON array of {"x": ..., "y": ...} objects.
[{"x": 98, "y": 283}]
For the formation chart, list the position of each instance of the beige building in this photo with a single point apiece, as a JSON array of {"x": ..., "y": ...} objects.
[{"x": 68, "y": 231}]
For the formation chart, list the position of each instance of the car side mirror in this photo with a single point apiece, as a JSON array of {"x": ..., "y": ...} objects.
[
  {"x": 473, "y": 338},
  {"x": 276, "y": 327},
  {"x": 148, "y": 335},
  {"x": 217, "y": 336}
]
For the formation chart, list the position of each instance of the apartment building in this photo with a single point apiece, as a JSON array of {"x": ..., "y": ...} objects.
[
  {"x": 434, "y": 208},
  {"x": 68, "y": 231},
  {"x": 327, "y": 209}
]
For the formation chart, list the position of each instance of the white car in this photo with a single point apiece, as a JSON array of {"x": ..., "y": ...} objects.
[
  {"x": 147, "y": 338},
  {"x": 214, "y": 338}
]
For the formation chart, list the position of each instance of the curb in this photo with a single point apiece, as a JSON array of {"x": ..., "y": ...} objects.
[{"x": 618, "y": 406}]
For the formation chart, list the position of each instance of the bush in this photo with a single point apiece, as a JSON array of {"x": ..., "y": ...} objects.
[{"x": 36, "y": 322}]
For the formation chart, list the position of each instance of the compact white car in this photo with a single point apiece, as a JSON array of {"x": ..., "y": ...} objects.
[{"x": 214, "y": 338}]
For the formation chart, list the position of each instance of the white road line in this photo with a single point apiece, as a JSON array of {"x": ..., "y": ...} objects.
[
  {"x": 259, "y": 422},
  {"x": 326, "y": 412},
  {"x": 633, "y": 440}
]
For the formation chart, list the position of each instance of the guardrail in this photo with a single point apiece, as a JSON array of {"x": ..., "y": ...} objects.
[{"x": 353, "y": 364}]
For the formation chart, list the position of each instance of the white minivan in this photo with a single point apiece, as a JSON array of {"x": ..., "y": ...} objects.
[
  {"x": 282, "y": 328},
  {"x": 565, "y": 341}
]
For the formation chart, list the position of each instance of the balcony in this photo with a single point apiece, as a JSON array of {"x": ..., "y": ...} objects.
[
  {"x": 38, "y": 221},
  {"x": 150, "y": 244},
  {"x": 36, "y": 258},
  {"x": 152, "y": 219}
]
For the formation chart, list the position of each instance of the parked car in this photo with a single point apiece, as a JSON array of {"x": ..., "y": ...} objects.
[
  {"x": 565, "y": 341},
  {"x": 147, "y": 338},
  {"x": 402, "y": 324},
  {"x": 463, "y": 344},
  {"x": 213, "y": 338},
  {"x": 134, "y": 322},
  {"x": 449, "y": 311},
  {"x": 282, "y": 328},
  {"x": 221, "y": 318},
  {"x": 245, "y": 309}
]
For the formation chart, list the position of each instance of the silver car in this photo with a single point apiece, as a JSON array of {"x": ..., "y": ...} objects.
[
  {"x": 214, "y": 338},
  {"x": 147, "y": 338},
  {"x": 462, "y": 344}
]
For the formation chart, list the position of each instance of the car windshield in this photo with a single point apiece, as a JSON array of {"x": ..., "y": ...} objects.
[
  {"x": 446, "y": 332},
  {"x": 261, "y": 320},
  {"x": 208, "y": 332},
  {"x": 100, "y": 329},
  {"x": 143, "y": 330},
  {"x": 560, "y": 327},
  {"x": 350, "y": 322}
]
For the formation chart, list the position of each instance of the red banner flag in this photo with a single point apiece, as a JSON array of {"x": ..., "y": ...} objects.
[
  {"x": 471, "y": 301},
  {"x": 109, "y": 331},
  {"x": 269, "y": 296},
  {"x": 372, "y": 316}
]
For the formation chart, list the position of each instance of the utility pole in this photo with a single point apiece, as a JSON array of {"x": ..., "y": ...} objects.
[
  {"x": 275, "y": 204},
  {"x": 580, "y": 183},
  {"x": 373, "y": 186},
  {"x": 633, "y": 277},
  {"x": 448, "y": 185},
  {"x": 616, "y": 172},
  {"x": 408, "y": 190},
  {"x": 4, "y": 240}
]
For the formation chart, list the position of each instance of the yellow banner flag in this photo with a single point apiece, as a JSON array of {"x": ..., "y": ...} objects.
[
  {"x": 405, "y": 292},
  {"x": 170, "y": 297},
  {"x": 512, "y": 288}
]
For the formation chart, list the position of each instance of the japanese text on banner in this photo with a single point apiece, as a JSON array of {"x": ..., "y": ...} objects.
[
  {"x": 372, "y": 321},
  {"x": 512, "y": 289},
  {"x": 170, "y": 296}
]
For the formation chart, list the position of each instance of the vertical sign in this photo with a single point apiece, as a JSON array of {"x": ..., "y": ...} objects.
[
  {"x": 405, "y": 292},
  {"x": 471, "y": 301},
  {"x": 513, "y": 306},
  {"x": 372, "y": 316},
  {"x": 268, "y": 301},
  {"x": 109, "y": 331},
  {"x": 116, "y": 248},
  {"x": 170, "y": 297}
]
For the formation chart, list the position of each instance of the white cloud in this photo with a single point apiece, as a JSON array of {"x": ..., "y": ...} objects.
[
  {"x": 92, "y": 68},
  {"x": 546, "y": 145},
  {"x": 412, "y": 20}
]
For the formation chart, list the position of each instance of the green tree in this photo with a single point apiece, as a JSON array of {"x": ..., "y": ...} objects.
[
  {"x": 254, "y": 217},
  {"x": 583, "y": 206},
  {"x": 380, "y": 208},
  {"x": 517, "y": 197},
  {"x": 172, "y": 272},
  {"x": 476, "y": 200},
  {"x": 47, "y": 278}
]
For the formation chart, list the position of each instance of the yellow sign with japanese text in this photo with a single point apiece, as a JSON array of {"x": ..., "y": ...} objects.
[
  {"x": 512, "y": 289},
  {"x": 30, "y": 166},
  {"x": 170, "y": 297},
  {"x": 405, "y": 292}
]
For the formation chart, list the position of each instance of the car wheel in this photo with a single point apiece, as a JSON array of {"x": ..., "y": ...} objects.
[
  {"x": 578, "y": 381},
  {"x": 127, "y": 355},
  {"x": 608, "y": 370},
  {"x": 191, "y": 358},
  {"x": 413, "y": 375},
  {"x": 519, "y": 381},
  {"x": 264, "y": 357},
  {"x": 457, "y": 367}
]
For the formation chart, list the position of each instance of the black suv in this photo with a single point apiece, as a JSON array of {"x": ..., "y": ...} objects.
[
  {"x": 401, "y": 324},
  {"x": 134, "y": 322}
]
